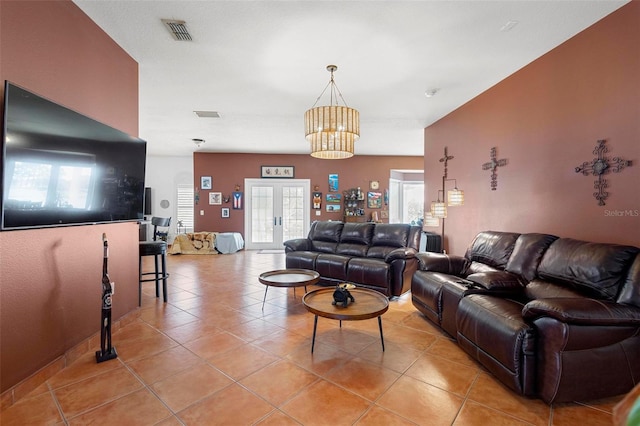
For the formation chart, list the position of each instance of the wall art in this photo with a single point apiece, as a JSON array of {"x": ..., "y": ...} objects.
[
  {"x": 237, "y": 200},
  {"x": 374, "y": 200},
  {"x": 279, "y": 172},
  {"x": 317, "y": 200},
  {"x": 206, "y": 182},
  {"x": 225, "y": 212},
  {"x": 215, "y": 198},
  {"x": 333, "y": 182}
]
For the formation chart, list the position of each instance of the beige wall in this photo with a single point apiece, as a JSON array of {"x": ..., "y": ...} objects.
[
  {"x": 50, "y": 288},
  {"x": 546, "y": 119}
]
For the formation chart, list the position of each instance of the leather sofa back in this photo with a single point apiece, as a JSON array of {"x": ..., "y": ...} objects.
[
  {"x": 355, "y": 239},
  {"x": 324, "y": 236},
  {"x": 595, "y": 269},
  {"x": 390, "y": 236},
  {"x": 630, "y": 293},
  {"x": 527, "y": 254},
  {"x": 490, "y": 248}
]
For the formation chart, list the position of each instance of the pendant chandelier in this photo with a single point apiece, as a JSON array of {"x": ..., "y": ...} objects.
[{"x": 332, "y": 130}]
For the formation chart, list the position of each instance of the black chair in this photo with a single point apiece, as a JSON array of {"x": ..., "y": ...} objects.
[{"x": 158, "y": 249}]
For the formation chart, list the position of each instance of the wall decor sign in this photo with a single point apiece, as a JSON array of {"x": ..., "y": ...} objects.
[
  {"x": 206, "y": 182},
  {"x": 601, "y": 166},
  {"x": 215, "y": 198},
  {"x": 225, "y": 212},
  {"x": 332, "y": 208},
  {"x": 492, "y": 165},
  {"x": 280, "y": 172},
  {"x": 237, "y": 200},
  {"x": 333, "y": 182},
  {"x": 317, "y": 200}
]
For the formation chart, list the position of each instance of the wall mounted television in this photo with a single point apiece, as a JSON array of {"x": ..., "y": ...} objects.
[{"x": 62, "y": 168}]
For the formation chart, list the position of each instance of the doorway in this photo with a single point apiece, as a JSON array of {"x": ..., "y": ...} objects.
[{"x": 275, "y": 211}]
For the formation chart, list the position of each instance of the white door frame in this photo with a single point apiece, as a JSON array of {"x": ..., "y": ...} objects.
[{"x": 248, "y": 184}]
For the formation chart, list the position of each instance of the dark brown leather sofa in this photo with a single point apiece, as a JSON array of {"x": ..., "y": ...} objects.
[
  {"x": 379, "y": 256},
  {"x": 554, "y": 318}
]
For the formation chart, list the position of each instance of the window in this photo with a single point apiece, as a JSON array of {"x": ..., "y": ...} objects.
[
  {"x": 185, "y": 207},
  {"x": 406, "y": 201}
]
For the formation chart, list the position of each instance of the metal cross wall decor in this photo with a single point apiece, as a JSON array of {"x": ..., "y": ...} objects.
[
  {"x": 493, "y": 165},
  {"x": 601, "y": 166},
  {"x": 444, "y": 160}
]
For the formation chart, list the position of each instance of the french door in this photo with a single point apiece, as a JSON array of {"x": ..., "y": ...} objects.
[{"x": 275, "y": 211}]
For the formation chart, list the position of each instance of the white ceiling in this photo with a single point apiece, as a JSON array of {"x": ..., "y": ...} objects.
[{"x": 261, "y": 64}]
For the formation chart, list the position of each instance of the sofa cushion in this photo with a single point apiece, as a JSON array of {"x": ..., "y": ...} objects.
[
  {"x": 324, "y": 236},
  {"x": 492, "y": 248},
  {"x": 387, "y": 237},
  {"x": 355, "y": 239},
  {"x": 527, "y": 253},
  {"x": 332, "y": 266},
  {"x": 630, "y": 293},
  {"x": 597, "y": 269},
  {"x": 301, "y": 260},
  {"x": 372, "y": 272},
  {"x": 539, "y": 289}
]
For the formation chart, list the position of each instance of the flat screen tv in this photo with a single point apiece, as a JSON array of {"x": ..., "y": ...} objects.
[{"x": 62, "y": 168}]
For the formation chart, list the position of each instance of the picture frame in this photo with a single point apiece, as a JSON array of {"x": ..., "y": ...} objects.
[
  {"x": 374, "y": 200},
  {"x": 277, "y": 172},
  {"x": 333, "y": 208},
  {"x": 215, "y": 198},
  {"x": 333, "y": 182},
  {"x": 206, "y": 182},
  {"x": 225, "y": 212},
  {"x": 334, "y": 198}
]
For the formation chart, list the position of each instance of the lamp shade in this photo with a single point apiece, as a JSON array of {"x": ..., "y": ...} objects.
[
  {"x": 431, "y": 220},
  {"x": 439, "y": 209},
  {"x": 332, "y": 131},
  {"x": 455, "y": 197}
]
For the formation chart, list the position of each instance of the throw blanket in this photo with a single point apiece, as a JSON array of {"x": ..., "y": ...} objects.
[{"x": 194, "y": 243}]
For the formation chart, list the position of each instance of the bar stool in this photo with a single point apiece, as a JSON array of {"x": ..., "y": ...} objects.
[{"x": 158, "y": 249}]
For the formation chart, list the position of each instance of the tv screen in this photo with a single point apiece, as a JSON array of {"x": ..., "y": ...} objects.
[{"x": 61, "y": 168}]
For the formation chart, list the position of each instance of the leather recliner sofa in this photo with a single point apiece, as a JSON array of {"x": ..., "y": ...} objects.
[
  {"x": 554, "y": 318},
  {"x": 378, "y": 256}
]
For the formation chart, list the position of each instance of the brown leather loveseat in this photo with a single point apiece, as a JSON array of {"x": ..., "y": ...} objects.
[
  {"x": 379, "y": 256},
  {"x": 554, "y": 318}
]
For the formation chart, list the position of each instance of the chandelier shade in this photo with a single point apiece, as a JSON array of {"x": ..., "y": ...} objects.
[
  {"x": 332, "y": 130},
  {"x": 431, "y": 220}
]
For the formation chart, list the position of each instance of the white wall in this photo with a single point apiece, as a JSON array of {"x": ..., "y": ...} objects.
[{"x": 163, "y": 174}]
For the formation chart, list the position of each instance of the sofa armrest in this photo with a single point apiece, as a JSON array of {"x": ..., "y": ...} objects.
[
  {"x": 583, "y": 311},
  {"x": 443, "y": 263},
  {"x": 497, "y": 281},
  {"x": 298, "y": 244},
  {"x": 402, "y": 253}
]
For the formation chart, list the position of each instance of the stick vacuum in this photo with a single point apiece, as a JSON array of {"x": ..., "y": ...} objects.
[{"x": 106, "y": 351}]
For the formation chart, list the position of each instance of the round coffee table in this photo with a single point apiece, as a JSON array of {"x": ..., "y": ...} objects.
[
  {"x": 288, "y": 278},
  {"x": 368, "y": 304}
]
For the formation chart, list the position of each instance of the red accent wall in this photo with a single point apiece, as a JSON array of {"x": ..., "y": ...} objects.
[
  {"x": 50, "y": 289},
  {"x": 546, "y": 120},
  {"x": 227, "y": 170}
]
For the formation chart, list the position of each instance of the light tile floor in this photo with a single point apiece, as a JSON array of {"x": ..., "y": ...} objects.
[{"x": 212, "y": 356}]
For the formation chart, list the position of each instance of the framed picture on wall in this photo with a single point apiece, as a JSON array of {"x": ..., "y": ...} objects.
[
  {"x": 215, "y": 198},
  {"x": 225, "y": 212},
  {"x": 374, "y": 200},
  {"x": 282, "y": 172},
  {"x": 333, "y": 182},
  {"x": 206, "y": 182}
]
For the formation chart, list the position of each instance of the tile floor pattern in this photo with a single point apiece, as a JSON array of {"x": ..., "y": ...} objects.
[{"x": 211, "y": 356}]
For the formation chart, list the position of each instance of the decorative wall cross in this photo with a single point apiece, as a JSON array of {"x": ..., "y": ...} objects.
[
  {"x": 601, "y": 166},
  {"x": 444, "y": 160},
  {"x": 493, "y": 165}
]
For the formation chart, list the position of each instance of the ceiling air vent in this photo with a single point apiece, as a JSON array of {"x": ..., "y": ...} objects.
[
  {"x": 207, "y": 114},
  {"x": 178, "y": 29}
]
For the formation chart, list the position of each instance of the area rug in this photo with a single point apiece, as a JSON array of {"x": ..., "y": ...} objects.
[{"x": 194, "y": 243}]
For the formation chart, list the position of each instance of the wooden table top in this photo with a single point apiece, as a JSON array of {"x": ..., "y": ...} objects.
[
  {"x": 289, "y": 278},
  {"x": 368, "y": 304}
]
